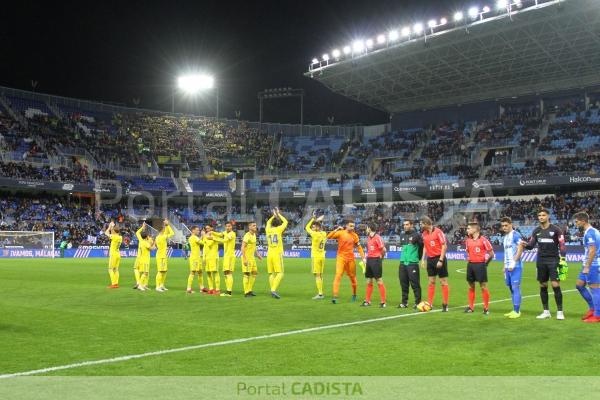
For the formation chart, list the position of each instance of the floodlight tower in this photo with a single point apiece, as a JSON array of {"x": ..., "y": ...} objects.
[{"x": 194, "y": 84}]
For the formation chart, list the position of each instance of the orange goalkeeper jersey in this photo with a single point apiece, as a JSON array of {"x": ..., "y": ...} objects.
[{"x": 346, "y": 243}]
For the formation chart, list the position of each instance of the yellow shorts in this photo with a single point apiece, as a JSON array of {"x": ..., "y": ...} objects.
[
  {"x": 143, "y": 267},
  {"x": 162, "y": 265},
  {"x": 195, "y": 264},
  {"x": 250, "y": 267},
  {"x": 229, "y": 263},
  {"x": 211, "y": 264},
  {"x": 114, "y": 261},
  {"x": 274, "y": 262},
  {"x": 318, "y": 265}
]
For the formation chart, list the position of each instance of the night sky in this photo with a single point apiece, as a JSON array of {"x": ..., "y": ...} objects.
[{"x": 117, "y": 51}]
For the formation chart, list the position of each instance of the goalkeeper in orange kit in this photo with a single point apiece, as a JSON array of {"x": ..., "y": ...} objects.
[{"x": 347, "y": 241}]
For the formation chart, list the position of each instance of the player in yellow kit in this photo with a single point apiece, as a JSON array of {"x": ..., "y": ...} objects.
[
  {"x": 275, "y": 227},
  {"x": 228, "y": 240},
  {"x": 195, "y": 259},
  {"x": 319, "y": 238},
  {"x": 136, "y": 266},
  {"x": 248, "y": 261},
  {"x": 161, "y": 255},
  {"x": 114, "y": 255},
  {"x": 145, "y": 246},
  {"x": 211, "y": 261}
]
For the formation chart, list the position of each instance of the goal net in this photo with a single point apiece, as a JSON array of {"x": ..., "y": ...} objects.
[{"x": 27, "y": 243}]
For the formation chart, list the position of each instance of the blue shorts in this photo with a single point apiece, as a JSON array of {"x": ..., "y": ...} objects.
[
  {"x": 592, "y": 278},
  {"x": 513, "y": 277}
]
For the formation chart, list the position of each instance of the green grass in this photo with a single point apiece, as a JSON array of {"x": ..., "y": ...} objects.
[{"x": 57, "y": 312}]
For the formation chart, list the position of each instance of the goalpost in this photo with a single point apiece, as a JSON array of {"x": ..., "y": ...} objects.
[{"x": 40, "y": 243}]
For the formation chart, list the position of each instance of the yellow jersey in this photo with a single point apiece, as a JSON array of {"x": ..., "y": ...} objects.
[
  {"x": 115, "y": 244},
  {"x": 195, "y": 243},
  {"x": 274, "y": 235},
  {"x": 319, "y": 238},
  {"x": 144, "y": 247},
  {"x": 228, "y": 240},
  {"x": 250, "y": 240},
  {"x": 211, "y": 248},
  {"x": 161, "y": 242}
]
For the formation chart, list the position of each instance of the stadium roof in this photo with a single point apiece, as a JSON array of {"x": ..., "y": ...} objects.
[{"x": 548, "y": 47}]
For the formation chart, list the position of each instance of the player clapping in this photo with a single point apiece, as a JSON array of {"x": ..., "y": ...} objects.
[
  {"x": 317, "y": 253},
  {"x": 275, "y": 227}
]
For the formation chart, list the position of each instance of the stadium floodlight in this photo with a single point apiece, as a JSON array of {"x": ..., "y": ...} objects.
[
  {"x": 315, "y": 61},
  {"x": 347, "y": 50},
  {"x": 473, "y": 12},
  {"x": 432, "y": 23},
  {"x": 485, "y": 9},
  {"x": 393, "y": 35},
  {"x": 418, "y": 28},
  {"x": 192, "y": 84},
  {"x": 369, "y": 43},
  {"x": 335, "y": 53},
  {"x": 405, "y": 31},
  {"x": 325, "y": 57},
  {"x": 358, "y": 46},
  {"x": 502, "y": 4},
  {"x": 381, "y": 39},
  {"x": 458, "y": 16},
  {"x": 443, "y": 21}
]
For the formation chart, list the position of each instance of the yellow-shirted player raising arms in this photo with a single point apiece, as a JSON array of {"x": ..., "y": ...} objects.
[
  {"x": 248, "y": 261},
  {"x": 275, "y": 227},
  {"x": 161, "y": 255},
  {"x": 136, "y": 264},
  {"x": 195, "y": 259},
  {"x": 211, "y": 260},
  {"x": 145, "y": 245},
  {"x": 114, "y": 255},
  {"x": 228, "y": 240},
  {"x": 317, "y": 252}
]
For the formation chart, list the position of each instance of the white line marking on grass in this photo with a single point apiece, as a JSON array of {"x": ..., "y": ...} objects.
[
  {"x": 461, "y": 271},
  {"x": 235, "y": 341}
]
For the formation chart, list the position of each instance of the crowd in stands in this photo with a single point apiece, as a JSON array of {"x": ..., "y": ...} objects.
[{"x": 76, "y": 174}]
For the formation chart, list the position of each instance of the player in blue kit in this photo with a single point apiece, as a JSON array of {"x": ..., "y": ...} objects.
[
  {"x": 590, "y": 269},
  {"x": 513, "y": 265}
]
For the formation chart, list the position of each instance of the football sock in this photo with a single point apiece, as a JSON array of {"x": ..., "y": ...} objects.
[
  {"x": 158, "y": 279},
  {"x": 116, "y": 274},
  {"x": 336, "y": 285},
  {"x": 271, "y": 279},
  {"x": 558, "y": 297},
  {"x": 251, "y": 282},
  {"x": 277, "y": 281},
  {"x": 163, "y": 279},
  {"x": 445, "y": 294},
  {"x": 201, "y": 280},
  {"x": 354, "y": 284},
  {"x": 229, "y": 282},
  {"x": 516, "y": 297},
  {"x": 544, "y": 297},
  {"x": 319, "y": 282},
  {"x": 430, "y": 293},
  {"x": 369, "y": 292},
  {"x": 217, "y": 281},
  {"x": 587, "y": 296},
  {"x": 137, "y": 275},
  {"x": 485, "y": 294},
  {"x": 112, "y": 276},
  {"x": 471, "y": 298},
  {"x": 211, "y": 281},
  {"x": 246, "y": 283},
  {"x": 596, "y": 297},
  {"x": 381, "y": 292},
  {"x": 190, "y": 281}
]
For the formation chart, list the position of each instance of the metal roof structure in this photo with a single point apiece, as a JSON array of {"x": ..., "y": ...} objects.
[{"x": 547, "y": 47}]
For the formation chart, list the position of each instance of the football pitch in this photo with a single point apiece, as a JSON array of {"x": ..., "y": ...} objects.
[{"x": 58, "y": 318}]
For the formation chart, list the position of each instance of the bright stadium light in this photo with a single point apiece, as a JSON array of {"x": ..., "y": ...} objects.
[
  {"x": 458, "y": 16},
  {"x": 501, "y": 4},
  {"x": 432, "y": 23},
  {"x": 347, "y": 50},
  {"x": 335, "y": 53},
  {"x": 381, "y": 39},
  {"x": 192, "y": 84},
  {"x": 473, "y": 12},
  {"x": 358, "y": 46},
  {"x": 418, "y": 28},
  {"x": 486, "y": 9},
  {"x": 393, "y": 35},
  {"x": 315, "y": 61},
  {"x": 443, "y": 21},
  {"x": 325, "y": 57},
  {"x": 369, "y": 43},
  {"x": 405, "y": 31}
]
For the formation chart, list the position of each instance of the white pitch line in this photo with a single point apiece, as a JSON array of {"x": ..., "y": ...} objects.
[
  {"x": 234, "y": 341},
  {"x": 461, "y": 271}
]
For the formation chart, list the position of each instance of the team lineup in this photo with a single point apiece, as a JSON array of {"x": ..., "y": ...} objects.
[{"x": 425, "y": 250}]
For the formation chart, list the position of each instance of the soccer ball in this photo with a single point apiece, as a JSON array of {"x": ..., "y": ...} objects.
[{"x": 424, "y": 306}]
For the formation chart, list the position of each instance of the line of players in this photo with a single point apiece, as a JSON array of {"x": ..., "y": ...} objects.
[{"x": 427, "y": 250}]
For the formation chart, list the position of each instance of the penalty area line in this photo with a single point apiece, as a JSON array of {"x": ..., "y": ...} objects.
[{"x": 236, "y": 341}]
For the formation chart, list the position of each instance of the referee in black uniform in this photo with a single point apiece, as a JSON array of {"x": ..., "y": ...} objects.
[{"x": 408, "y": 270}]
